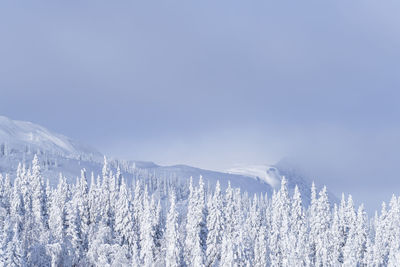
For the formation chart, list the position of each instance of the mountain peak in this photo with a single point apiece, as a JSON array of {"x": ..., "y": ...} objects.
[{"x": 22, "y": 135}]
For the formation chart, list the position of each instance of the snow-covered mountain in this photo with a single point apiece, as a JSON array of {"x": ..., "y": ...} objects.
[
  {"x": 22, "y": 136},
  {"x": 272, "y": 175},
  {"x": 265, "y": 173},
  {"x": 20, "y": 140}
]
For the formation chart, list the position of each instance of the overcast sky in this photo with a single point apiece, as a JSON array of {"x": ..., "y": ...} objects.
[{"x": 215, "y": 83}]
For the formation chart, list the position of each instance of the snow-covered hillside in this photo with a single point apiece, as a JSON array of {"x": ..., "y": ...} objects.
[
  {"x": 20, "y": 141},
  {"x": 272, "y": 175},
  {"x": 265, "y": 173},
  {"x": 22, "y": 136}
]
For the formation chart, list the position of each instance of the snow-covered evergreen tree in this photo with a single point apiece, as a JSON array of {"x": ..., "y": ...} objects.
[
  {"x": 82, "y": 203},
  {"x": 147, "y": 245},
  {"x": 280, "y": 225},
  {"x": 215, "y": 226},
  {"x": 39, "y": 195},
  {"x": 260, "y": 248},
  {"x": 124, "y": 221},
  {"x": 15, "y": 254},
  {"x": 172, "y": 240},
  {"x": 58, "y": 222},
  {"x": 297, "y": 233},
  {"x": 75, "y": 236},
  {"x": 196, "y": 231},
  {"x": 323, "y": 241}
]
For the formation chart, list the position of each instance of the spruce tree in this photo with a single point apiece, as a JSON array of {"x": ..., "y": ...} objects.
[
  {"x": 124, "y": 225},
  {"x": 147, "y": 246},
  {"x": 195, "y": 226},
  {"x": 39, "y": 197},
  {"x": 172, "y": 240},
  {"x": 215, "y": 226},
  {"x": 298, "y": 232}
]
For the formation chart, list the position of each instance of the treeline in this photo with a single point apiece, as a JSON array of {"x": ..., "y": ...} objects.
[{"x": 150, "y": 222}]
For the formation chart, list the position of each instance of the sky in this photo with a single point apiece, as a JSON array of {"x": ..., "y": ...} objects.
[{"x": 215, "y": 84}]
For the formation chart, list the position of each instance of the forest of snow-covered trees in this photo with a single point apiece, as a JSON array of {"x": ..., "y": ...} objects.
[{"x": 162, "y": 222}]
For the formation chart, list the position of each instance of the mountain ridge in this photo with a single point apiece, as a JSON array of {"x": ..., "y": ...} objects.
[
  {"x": 20, "y": 140},
  {"x": 27, "y": 135}
]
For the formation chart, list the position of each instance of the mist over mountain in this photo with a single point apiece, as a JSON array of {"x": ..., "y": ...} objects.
[{"x": 20, "y": 141}]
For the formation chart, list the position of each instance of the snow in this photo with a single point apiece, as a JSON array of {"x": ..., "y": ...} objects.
[
  {"x": 21, "y": 134},
  {"x": 268, "y": 174},
  {"x": 91, "y": 223},
  {"x": 104, "y": 224},
  {"x": 67, "y": 156}
]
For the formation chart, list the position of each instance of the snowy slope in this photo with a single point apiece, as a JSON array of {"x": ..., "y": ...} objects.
[
  {"x": 245, "y": 183},
  {"x": 22, "y": 136},
  {"x": 19, "y": 141},
  {"x": 265, "y": 173},
  {"x": 272, "y": 175}
]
